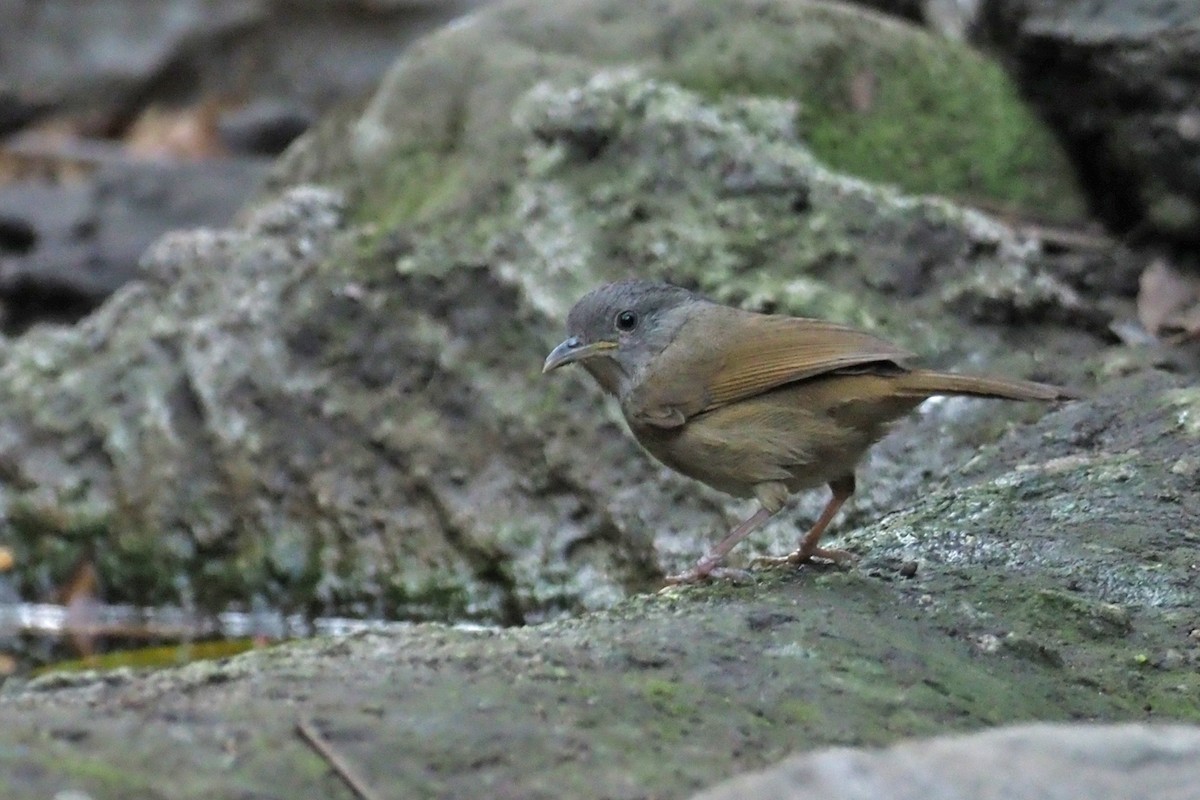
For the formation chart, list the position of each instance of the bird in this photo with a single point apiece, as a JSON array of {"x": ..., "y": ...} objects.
[{"x": 754, "y": 405}]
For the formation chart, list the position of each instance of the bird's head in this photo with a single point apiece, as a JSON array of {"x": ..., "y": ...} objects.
[{"x": 616, "y": 330}]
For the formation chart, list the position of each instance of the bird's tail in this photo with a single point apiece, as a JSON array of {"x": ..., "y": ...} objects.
[{"x": 924, "y": 383}]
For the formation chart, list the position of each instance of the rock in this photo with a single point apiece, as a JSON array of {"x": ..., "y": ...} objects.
[
  {"x": 60, "y": 283},
  {"x": 954, "y": 19},
  {"x": 71, "y": 245},
  {"x": 878, "y": 99},
  {"x": 16, "y": 111},
  {"x": 110, "y": 58},
  {"x": 1057, "y": 577},
  {"x": 1033, "y": 762},
  {"x": 264, "y": 128},
  {"x": 264, "y": 71},
  {"x": 911, "y": 10},
  {"x": 1117, "y": 80},
  {"x": 666, "y": 694}
]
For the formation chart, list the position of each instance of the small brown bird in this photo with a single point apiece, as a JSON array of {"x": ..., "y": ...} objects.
[{"x": 754, "y": 405}]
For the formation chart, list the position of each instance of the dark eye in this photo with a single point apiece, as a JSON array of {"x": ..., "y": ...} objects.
[{"x": 627, "y": 321}]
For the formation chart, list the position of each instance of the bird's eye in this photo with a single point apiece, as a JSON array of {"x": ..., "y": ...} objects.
[{"x": 627, "y": 321}]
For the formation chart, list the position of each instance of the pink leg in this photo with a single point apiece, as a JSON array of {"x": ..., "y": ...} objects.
[
  {"x": 705, "y": 566},
  {"x": 842, "y": 489}
]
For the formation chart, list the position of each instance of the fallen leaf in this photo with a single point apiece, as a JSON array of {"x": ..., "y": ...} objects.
[
  {"x": 79, "y": 595},
  {"x": 1168, "y": 302},
  {"x": 81, "y": 585},
  {"x": 189, "y": 133}
]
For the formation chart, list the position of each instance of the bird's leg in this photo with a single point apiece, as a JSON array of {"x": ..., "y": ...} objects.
[
  {"x": 841, "y": 488},
  {"x": 707, "y": 565}
]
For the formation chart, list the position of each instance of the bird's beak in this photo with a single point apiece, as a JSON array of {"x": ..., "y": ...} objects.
[{"x": 573, "y": 350}]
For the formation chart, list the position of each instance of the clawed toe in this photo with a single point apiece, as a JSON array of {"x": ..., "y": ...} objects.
[
  {"x": 790, "y": 559},
  {"x": 697, "y": 575},
  {"x": 843, "y": 558},
  {"x": 686, "y": 578}
]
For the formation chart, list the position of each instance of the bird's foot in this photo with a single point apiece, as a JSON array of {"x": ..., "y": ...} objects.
[
  {"x": 843, "y": 558},
  {"x": 699, "y": 574}
]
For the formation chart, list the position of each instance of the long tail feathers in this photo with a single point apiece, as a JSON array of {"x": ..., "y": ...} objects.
[{"x": 924, "y": 382}]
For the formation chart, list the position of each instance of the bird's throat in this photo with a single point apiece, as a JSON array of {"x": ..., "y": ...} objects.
[{"x": 607, "y": 372}]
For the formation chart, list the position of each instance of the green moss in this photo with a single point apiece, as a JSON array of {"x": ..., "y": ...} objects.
[
  {"x": 108, "y": 779},
  {"x": 1171, "y": 211},
  {"x": 1075, "y": 616},
  {"x": 1174, "y": 696},
  {"x": 41, "y": 524},
  {"x": 434, "y": 599},
  {"x": 906, "y": 722},
  {"x": 1030, "y": 649},
  {"x": 414, "y": 186},
  {"x": 131, "y": 566},
  {"x": 667, "y": 697},
  {"x": 888, "y": 103},
  {"x": 796, "y": 712},
  {"x": 943, "y": 125},
  {"x": 1186, "y": 403}
]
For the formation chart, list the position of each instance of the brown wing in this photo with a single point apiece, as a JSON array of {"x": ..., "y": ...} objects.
[
  {"x": 725, "y": 355},
  {"x": 778, "y": 350}
]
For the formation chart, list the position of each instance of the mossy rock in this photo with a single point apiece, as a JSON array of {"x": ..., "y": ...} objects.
[{"x": 878, "y": 98}]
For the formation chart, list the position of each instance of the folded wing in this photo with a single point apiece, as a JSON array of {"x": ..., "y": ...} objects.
[{"x": 741, "y": 354}]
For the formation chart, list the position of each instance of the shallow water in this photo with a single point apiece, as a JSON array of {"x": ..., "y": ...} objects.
[{"x": 36, "y": 636}]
